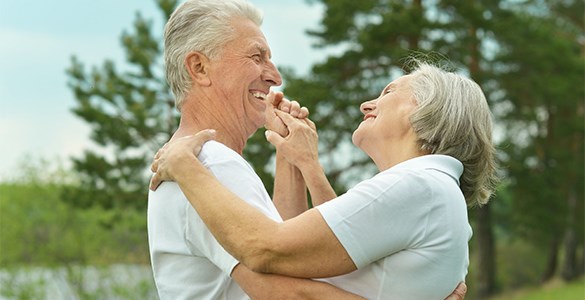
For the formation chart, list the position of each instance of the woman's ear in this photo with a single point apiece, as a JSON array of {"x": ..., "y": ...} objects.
[{"x": 197, "y": 65}]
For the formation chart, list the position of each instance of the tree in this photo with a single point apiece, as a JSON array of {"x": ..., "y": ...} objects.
[
  {"x": 544, "y": 138},
  {"x": 486, "y": 40},
  {"x": 377, "y": 35},
  {"x": 131, "y": 114}
]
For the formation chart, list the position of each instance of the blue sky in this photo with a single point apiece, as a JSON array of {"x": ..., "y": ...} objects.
[{"x": 38, "y": 38}]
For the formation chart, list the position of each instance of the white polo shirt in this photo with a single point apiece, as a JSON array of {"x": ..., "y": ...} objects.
[
  {"x": 187, "y": 261},
  {"x": 406, "y": 229}
]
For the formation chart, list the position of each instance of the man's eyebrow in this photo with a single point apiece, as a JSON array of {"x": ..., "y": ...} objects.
[{"x": 262, "y": 49}]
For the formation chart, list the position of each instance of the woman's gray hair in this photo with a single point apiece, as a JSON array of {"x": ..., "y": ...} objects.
[
  {"x": 203, "y": 26},
  {"x": 453, "y": 118}
]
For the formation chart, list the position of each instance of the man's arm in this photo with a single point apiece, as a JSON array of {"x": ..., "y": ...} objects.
[
  {"x": 290, "y": 191},
  {"x": 269, "y": 286},
  {"x": 300, "y": 148}
]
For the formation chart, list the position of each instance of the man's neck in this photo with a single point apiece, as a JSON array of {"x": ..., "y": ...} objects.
[{"x": 191, "y": 123}]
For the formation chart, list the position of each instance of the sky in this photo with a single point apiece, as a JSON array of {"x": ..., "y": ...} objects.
[{"x": 39, "y": 37}]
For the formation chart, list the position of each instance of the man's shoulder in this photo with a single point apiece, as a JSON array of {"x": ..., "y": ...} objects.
[{"x": 213, "y": 151}]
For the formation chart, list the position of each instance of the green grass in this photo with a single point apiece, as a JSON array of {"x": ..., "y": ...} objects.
[{"x": 554, "y": 290}]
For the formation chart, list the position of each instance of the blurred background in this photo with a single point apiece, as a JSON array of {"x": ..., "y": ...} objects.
[{"x": 84, "y": 106}]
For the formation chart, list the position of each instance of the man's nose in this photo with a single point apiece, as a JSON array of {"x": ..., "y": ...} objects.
[
  {"x": 271, "y": 74},
  {"x": 368, "y": 106}
]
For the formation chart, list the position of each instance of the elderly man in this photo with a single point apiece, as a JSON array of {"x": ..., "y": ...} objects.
[{"x": 219, "y": 68}]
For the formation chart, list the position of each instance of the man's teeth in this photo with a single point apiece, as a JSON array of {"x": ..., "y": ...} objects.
[{"x": 259, "y": 95}]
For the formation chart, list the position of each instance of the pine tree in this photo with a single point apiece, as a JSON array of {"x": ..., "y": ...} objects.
[
  {"x": 131, "y": 114},
  {"x": 541, "y": 69},
  {"x": 487, "y": 41}
]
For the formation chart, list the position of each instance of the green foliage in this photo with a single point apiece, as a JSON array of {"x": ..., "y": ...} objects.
[
  {"x": 131, "y": 114},
  {"x": 544, "y": 143},
  {"x": 377, "y": 36},
  {"x": 519, "y": 263},
  {"x": 528, "y": 58},
  {"x": 38, "y": 228},
  {"x": 43, "y": 238},
  {"x": 50, "y": 232}
]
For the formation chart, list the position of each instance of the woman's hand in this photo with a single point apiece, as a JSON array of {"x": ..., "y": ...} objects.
[
  {"x": 177, "y": 156},
  {"x": 276, "y": 101},
  {"x": 300, "y": 145}
]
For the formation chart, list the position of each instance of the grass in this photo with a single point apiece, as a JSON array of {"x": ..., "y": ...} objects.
[{"x": 553, "y": 290}]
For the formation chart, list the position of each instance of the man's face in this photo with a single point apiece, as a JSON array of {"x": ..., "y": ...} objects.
[{"x": 242, "y": 75}]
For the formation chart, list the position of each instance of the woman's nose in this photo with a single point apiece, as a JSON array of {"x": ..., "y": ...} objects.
[{"x": 368, "y": 106}]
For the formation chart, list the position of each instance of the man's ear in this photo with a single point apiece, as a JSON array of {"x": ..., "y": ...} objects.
[{"x": 197, "y": 65}]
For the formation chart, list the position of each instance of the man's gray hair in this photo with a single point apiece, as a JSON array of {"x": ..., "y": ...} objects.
[
  {"x": 453, "y": 118},
  {"x": 203, "y": 26}
]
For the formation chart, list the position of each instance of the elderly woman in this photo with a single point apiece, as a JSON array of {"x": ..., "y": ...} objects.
[{"x": 402, "y": 234}]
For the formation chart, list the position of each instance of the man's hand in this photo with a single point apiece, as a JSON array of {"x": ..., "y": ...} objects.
[
  {"x": 300, "y": 146},
  {"x": 276, "y": 101}
]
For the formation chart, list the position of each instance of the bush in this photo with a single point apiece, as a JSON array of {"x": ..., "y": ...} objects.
[{"x": 38, "y": 229}]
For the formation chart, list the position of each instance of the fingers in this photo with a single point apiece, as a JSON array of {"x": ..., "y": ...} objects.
[
  {"x": 286, "y": 118},
  {"x": 292, "y": 107},
  {"x": 273, "y": 138},
  {"x": 155, "y": 181},
  {"x": 204, "y": 135},
  {"x": 275, "y": 98},
  {"x": 162, "y": 159},
  {"x": 285, "y": 105},
  {"x": 459, "y": 293},
  {"x": 303, "y": 113},
  {"x": 295, "y": 108},
  {"x": 310, "y": 123}
]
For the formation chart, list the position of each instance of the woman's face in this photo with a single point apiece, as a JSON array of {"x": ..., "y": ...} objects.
[{"x": 387, "y": 118}]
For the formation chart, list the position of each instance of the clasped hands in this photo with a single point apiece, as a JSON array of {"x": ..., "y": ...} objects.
[{"x": 287, "y": 128}]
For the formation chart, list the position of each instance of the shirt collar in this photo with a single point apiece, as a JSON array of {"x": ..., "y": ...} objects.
[{"x": 442, "y": 163}]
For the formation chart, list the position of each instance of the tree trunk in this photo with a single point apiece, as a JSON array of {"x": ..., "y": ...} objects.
[
  {"x": 569, "y": 269},
  {"x": 485, "y": 245},
  {"x": 551, "y": 262}
]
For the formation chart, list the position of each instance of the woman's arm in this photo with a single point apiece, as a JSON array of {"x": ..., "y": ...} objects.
[
  {"x": 290, "y": 192},
  {"x": 300, "y": 148},
  {"x": 303, "y": 246}
]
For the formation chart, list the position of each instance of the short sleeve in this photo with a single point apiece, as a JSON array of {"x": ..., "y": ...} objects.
[
  {"x": 233, "y": 172},
  {"x": 380, "y": 216}
]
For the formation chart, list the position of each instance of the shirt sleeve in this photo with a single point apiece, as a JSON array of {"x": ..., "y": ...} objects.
[
  {"x": 379, "y": 216},
  {"x": 238, "y": 177}
]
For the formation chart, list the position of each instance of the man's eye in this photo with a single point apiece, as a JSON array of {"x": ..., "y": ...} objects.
[{"x": 257, "y": 57}]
